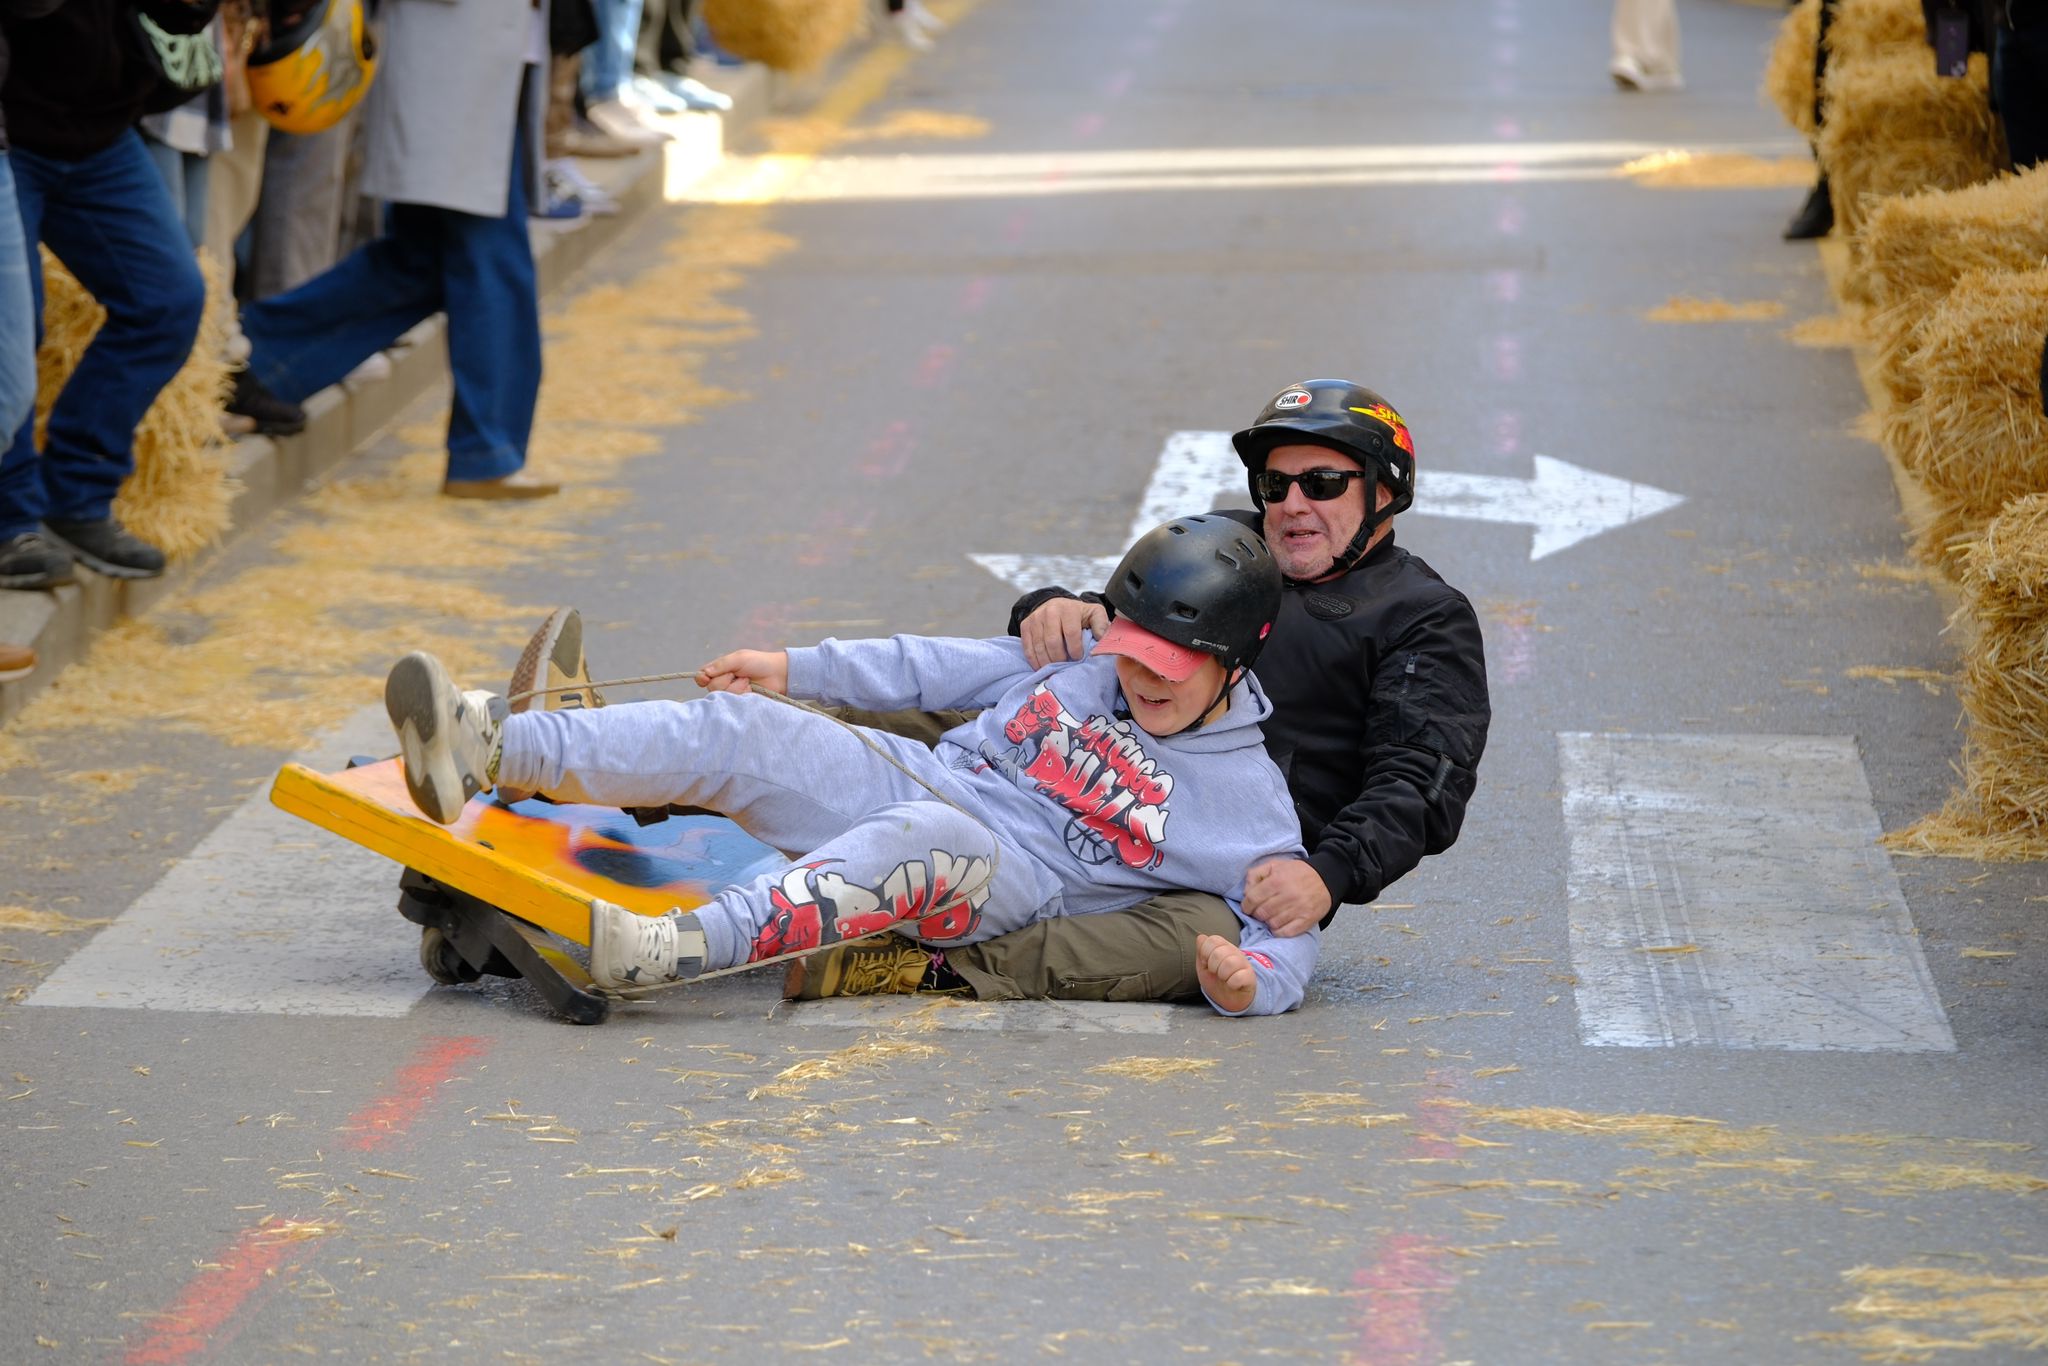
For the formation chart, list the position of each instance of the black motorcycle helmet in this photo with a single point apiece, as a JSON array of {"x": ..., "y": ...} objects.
[
  {"x": 1207, "y": 583},
  {"x": 1349, "y": 419}
]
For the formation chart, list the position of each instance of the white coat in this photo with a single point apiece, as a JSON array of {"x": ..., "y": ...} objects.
[{"x": 439, "y": 117}]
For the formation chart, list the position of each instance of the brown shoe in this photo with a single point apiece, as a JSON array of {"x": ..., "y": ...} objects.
[
  {"x": 518, "y": 484},
  {"x": 886, "y": 965},
  {"x": 16, "y": 661}
]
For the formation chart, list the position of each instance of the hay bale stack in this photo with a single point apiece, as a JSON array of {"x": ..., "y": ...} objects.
[
  {"x": 2001, "y": 808},
  {"x": 1914, "y": 247},
  {"x": 1862, "y": 29},
  {"x": 178, "y": 495},
  {"x": 1894, "y": 127},
  {"x": 787, "y": 35},
  {"x": 1976, "y": 437},
  {"x": 1788, "y": 75}
]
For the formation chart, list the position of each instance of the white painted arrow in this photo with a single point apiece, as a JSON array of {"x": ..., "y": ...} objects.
[
  {"x": 1566, "y": 504},
  {"x": 1196, "y": 470}
]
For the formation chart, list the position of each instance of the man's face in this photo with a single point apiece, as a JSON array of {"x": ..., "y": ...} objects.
[{"x": 1307, "y": 537}]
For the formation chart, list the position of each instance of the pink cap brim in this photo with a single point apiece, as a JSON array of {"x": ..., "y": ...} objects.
[{"x": 1174, "y": 663}]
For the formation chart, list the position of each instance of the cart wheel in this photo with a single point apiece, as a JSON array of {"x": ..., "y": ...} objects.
[{"x": 441, "y": 961}]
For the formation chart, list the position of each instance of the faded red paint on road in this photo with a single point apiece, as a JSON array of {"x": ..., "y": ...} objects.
[{"x": 218, "y": 1303}]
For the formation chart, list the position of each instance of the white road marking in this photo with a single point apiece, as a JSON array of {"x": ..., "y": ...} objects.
[
  {"x": 1564, "y": 503},
  {"x": 1729, "y": 891},
  {"x": 269, "y": 915},
  {"x": 1008, "y": 1017},
  {"x": 795, "y": 177},
  {"x": 1197, "y": 471}
]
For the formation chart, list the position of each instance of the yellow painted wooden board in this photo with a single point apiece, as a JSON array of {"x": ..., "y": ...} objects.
[{"x": 544, "y": 864}]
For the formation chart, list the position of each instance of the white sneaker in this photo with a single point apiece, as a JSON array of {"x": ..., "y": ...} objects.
[
  {"x": 926, "y": 20},
  {"x": 626, "y": 122},
  {"x": 566, "y": 177},
  {"x": 909, "y": 32},
  {"x": 448, "y": 739},
  {"x": 630, "y": 950},
  {"x": 694, "y": 93},
  {"x": 1630, "y": 74}
]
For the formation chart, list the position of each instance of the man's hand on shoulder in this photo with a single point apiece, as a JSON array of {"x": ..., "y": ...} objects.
[
  {"x": 1052, "y": 634},
  {"x": 1286, "y": 896},
  {"x": 745, "y": 670}
]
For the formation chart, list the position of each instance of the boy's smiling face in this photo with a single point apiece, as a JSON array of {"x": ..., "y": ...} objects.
[{"x": 1161, "y": 706}]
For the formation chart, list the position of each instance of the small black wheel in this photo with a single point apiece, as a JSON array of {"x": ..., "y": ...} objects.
[{"x": 441, "y": 961}]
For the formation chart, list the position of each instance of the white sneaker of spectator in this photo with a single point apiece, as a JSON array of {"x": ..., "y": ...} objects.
[
  {"x": 909, "y": 32},
  {"x": 563, "y": 177},
  {"x": 627, "y": 122},
  {"x": 694, "y": 93},
  {"x": 926, "y": 20}
]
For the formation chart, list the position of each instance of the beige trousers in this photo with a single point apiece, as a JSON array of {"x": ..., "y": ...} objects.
[{"x": 1647, "y": 32}]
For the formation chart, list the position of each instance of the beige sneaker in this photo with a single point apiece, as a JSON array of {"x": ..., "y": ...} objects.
[{"x": 552, "y": 659}]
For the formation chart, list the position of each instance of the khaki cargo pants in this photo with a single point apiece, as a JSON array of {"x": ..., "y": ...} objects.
[{"x": 1146, "y": 953}]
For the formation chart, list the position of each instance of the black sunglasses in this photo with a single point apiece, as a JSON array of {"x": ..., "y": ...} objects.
[{"x": 1318, "y": 486}]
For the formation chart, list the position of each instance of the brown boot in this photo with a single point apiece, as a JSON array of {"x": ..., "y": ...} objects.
[
  {"x": 16, "y": 661},
  {"x": 886, "y": 965},
  {"x": 518, "y": 484}
]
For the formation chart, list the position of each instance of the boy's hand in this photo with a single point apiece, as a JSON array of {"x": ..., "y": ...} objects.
[
  {"x": 1225, "y": 973},
  {"x": 745, "y": 670},
  {"x": 1286, "y": 895},
  {"x": 1052, "y": 634}
]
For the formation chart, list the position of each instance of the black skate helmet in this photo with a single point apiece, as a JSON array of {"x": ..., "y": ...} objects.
[
  {"x": 1195, "y": 585},
  {"x": 1349, "y": 419}
]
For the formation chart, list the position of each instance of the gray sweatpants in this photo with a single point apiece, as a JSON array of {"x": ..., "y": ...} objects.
[{"x": 873, "y": 849}]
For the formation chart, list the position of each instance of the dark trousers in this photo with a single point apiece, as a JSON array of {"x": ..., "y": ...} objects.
[
  {"x": 479, "y": 271},
  {"x": 2019, "y": 84},
  {"x": 109, "y": 219}
]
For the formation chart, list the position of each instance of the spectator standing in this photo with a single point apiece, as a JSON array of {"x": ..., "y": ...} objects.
[
  {"x": 1816, "y": 217},
  {"x": 1645, "y": 36},
  {"x": 449, "y": 127},
  {"x": 17, "y": 313},
  {"x": 88, "y": 190}
]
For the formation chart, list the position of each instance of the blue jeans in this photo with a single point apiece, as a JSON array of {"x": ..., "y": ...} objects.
[
  {"x": 109, "y": 219},
  {"x": 479, "y": 271},
  {"x": 608, "y": 62},
  {"x": 17, "y": 312},
  {"x": 185, "y": 176}
]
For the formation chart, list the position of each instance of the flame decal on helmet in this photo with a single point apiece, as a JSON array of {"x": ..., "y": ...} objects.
[{"x": 1383, "y": 413}]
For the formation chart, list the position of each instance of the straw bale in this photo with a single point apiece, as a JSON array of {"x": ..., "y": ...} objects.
[
  {"x": 787, "y": 35},
  {"x": 1788, "y": 74},
  {"x": 178, "y": 495},
  {"x": 1682, "y": 170},
  {"x": 1895, "y": 127},
  {"x": 1914, "y": 248},
  {"x": 1976, "y": 437},
  {"x": 1862, "y": 29}
]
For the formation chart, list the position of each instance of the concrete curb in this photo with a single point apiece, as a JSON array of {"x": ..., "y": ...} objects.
[{"x": 60, "y": 624}]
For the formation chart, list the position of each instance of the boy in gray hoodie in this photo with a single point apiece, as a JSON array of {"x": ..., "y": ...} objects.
[{"x": 1079, "y": 788}]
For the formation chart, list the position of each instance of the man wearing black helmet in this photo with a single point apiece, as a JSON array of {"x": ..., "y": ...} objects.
[{"x": 1377, "y": 676}]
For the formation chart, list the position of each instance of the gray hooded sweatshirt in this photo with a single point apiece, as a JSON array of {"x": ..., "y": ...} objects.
[{"x": 1108, "y": 814}]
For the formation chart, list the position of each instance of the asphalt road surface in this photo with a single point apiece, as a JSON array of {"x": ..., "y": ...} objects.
[{"x": 1667, "y": 1060}]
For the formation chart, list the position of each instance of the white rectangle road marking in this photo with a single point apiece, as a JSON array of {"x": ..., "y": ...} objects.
[
  {"x": 269, "y": 915},
  {"x": 1729, "y": 891}
]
